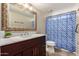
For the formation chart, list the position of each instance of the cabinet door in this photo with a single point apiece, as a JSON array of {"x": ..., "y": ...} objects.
[
  {"x": 18, "y": 54},
  {"x": 28, "y": 52},
  {"x": 36, "y": 51},
  {"x": 40, "y": 51}
]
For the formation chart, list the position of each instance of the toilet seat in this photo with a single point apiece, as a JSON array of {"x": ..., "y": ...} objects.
[{"x": 50, "y": 43}]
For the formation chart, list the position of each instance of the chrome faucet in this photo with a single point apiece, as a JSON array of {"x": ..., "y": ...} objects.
[{"x": 27, "y": 33}]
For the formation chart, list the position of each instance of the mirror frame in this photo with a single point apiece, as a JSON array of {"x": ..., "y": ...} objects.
[{"x": 4, "y": 9}]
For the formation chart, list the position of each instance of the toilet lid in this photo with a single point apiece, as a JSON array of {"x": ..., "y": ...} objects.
[{"x": 50, "y": 43}]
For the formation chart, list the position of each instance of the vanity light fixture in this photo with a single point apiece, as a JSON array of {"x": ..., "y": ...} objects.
[{"x": 27, "y": 6}]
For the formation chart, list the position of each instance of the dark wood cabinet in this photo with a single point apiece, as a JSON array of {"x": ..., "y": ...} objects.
[
  {"x": 30, "y": 47},
  {"x": 28, "y": 52},
  {"x": 40, "y": 51}
]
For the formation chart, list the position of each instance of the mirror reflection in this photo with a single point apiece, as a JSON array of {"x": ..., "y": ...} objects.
[{"x": 20, "y": 18}]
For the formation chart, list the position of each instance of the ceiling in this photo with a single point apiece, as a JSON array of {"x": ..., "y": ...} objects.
[{"x": 47, "y": 7}]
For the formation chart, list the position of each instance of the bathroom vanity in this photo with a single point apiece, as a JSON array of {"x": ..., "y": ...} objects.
[
  {"x": 31, "y": 46},
  {"x": 19, "y": 20}
]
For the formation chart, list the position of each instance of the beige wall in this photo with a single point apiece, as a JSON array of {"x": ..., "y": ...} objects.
[
  {"x": 0, "y": 16},
  {"x": 41, "y": 23},
  {"x": 77, "y": 34},
  {"x": 65, "y": 9}
]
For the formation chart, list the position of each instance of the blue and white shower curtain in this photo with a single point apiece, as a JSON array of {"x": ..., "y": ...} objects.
[{"x": 61, "y": 29}]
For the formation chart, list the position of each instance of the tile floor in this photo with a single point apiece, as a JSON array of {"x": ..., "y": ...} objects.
[{"x": 59, "y": 52}]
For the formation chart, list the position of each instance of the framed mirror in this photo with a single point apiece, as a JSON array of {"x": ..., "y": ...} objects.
[{"x": 17, "y": 18}]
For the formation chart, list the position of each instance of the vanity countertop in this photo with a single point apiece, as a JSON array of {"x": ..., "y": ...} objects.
[{"x": 6, "y": 41}]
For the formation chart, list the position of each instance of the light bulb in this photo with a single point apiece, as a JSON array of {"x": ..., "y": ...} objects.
[
  {"x": 26, "y": 5},
  {"x": 31, "y": 8}
]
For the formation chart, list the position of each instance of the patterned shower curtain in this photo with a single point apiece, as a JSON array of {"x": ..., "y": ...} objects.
[{"x": 61, "y": 29}]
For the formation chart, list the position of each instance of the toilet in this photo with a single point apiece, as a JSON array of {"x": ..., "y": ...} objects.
[{"x": 50, "y": 47}]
